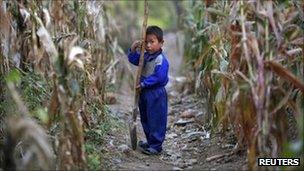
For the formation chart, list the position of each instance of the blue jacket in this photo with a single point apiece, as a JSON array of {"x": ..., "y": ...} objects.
[{"x": 155, "y": 69}]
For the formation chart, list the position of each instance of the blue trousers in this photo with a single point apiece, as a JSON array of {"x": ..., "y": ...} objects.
[{"x": 153, "y": 109}]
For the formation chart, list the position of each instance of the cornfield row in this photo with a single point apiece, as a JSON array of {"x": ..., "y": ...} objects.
[{"x": 248, "y": 60}]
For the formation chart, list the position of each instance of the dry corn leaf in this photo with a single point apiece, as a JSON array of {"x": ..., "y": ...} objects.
[
  {"x": 294, "y": 51},
  {"x": 286, "y": 74},
  {"x": 25, "y": 14},
  {"x": 292, "y": 15},
  {"x": 298, "y": 41},
  {"x": 46, "y": 17},
  {"x": 47, "y": 43},
  {"x": 235, "y": 55},
  {"x": 54, "y": 105},
  {"x": 272, "y": 21},
  {"x": 77, "y": 57},
  {"x": 4, "y": 22}
]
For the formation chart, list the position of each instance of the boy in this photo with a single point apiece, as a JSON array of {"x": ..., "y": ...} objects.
[{"x": 153, "y": 96}]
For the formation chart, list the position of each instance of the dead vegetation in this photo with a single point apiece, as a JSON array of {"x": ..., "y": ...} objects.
[
  {"x": 75, "y": 62},
  {"x": 248, "y": 58}
]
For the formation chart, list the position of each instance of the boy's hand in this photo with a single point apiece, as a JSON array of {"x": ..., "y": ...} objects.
[
  {"x": 135, "y": 45},
  {"x": 138, "y": 88}
]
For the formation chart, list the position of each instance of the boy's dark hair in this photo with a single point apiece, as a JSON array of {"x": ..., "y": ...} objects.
[{"x": 155, "y": 30}]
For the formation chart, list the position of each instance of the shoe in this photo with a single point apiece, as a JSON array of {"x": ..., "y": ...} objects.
[
  {"x": 143, "y": 145},
  {"x": 150, "y": 151}
]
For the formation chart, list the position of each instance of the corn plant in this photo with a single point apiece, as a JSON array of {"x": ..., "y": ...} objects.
[
  {"x": 40, "y": 36},
  {"x": 249, "y": 58}
]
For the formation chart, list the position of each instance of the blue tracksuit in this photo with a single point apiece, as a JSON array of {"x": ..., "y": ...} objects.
[{"x": 153, "y": 105}]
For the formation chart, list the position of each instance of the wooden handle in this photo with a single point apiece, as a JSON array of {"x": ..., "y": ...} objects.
[{"x": 142, "y": 51}]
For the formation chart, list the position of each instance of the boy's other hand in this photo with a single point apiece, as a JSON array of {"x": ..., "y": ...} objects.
[
  {"x": 135, "y": 45},
  {"x": 138, "y": 88}
]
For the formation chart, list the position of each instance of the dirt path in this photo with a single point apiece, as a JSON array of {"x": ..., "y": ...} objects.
[{"x": 188, "y": 144}]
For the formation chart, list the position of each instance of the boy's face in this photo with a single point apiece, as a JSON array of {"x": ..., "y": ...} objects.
[{"x": 152, "y": 44}]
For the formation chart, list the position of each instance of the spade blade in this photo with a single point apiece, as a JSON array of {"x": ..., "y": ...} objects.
[{"x": 133, "y": 135}]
